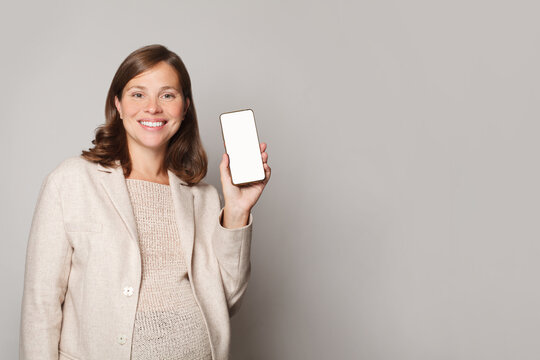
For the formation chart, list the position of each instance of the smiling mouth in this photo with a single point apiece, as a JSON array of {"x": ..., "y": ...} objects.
[{"x": 153, "y": 124}]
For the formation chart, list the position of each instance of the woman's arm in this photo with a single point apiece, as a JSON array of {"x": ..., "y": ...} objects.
[
  {"x": 48, "y": 262},
  {"x": 232, "y": 242},
  {"x": 232, "y": 248}
]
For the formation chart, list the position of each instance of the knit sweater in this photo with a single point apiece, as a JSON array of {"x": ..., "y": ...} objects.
[{"x": 168, "y": 322}]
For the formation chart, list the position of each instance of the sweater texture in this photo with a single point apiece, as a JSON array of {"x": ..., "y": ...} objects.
[{"x": 169, "y": 323}]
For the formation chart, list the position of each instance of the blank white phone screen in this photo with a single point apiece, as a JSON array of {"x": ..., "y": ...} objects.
[{"x": 242, "y": 146}]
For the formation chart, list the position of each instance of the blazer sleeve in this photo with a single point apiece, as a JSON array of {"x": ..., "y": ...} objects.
[
  {"x": 48, "y": 262},
  {"x": 232, "y": 248}
]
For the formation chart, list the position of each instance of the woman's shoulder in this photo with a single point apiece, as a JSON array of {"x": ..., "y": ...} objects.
[
  {"x": 204, "y": 190},
  {"x": 72, "y": 167},
  {"x": 203, "y": 187},
  {"x": 205, "y": 195}
]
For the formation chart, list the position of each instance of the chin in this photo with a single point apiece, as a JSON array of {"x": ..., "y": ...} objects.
[{"x": 154, "y": 145}]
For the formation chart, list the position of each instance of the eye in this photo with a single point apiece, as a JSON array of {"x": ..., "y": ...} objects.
[
  {"x": 168, "y": 96},
  {"x": 137, "y": 95}
]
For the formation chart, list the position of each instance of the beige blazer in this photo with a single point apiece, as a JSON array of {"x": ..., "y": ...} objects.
[{"x": 83, "y": 252}]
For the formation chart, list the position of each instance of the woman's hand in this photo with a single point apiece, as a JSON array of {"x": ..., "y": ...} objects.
[{"x": 240, "y": 199}]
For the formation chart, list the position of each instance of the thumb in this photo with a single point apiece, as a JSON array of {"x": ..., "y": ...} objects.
[{"x": 224, "y": 169}]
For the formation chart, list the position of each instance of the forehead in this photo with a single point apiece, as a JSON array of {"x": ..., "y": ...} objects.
[{"x": 161, "y": 74}]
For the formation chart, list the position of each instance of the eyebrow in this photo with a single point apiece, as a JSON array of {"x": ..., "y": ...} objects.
[{"x": 162, "y": 88}]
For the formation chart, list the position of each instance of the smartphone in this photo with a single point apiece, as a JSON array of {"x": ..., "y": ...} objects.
[{"x": 242, "y": 145}]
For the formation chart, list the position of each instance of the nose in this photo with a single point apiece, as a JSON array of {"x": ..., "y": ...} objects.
[{"x": 153, "y": 105}]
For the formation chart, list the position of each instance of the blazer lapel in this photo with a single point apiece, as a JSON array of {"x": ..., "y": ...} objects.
[
  {"x": 183, "y": 210},
  {"x": 114, "y": 183}
]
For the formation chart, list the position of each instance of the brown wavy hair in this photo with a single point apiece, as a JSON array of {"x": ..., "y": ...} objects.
[{"x": 185, "y": 155}]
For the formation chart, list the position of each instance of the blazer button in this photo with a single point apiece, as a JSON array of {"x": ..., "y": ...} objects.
[
  {"x": 128, "y": 291},
  {"x": 122, "y": 339}
]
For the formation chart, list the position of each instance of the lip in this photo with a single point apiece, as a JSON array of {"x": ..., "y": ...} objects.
[{"x": 154, "y": 128}]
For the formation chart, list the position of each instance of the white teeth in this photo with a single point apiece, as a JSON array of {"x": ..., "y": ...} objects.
[{"x": 153, "y": 124}]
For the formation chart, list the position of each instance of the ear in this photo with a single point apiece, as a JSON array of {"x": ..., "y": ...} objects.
[
  {"x": 187, "y": 106},
  {"x": 118, "y": 106}
]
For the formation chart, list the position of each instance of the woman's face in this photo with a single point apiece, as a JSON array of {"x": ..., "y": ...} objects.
[{"x": 152, "y": 108}]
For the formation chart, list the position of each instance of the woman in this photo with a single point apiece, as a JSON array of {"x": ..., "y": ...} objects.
[{"x": 130, "y": 255}]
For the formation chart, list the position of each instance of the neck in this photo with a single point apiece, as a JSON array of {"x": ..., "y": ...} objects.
[{"x": 148, "y": 165}]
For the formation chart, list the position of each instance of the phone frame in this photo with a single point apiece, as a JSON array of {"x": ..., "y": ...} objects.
[{"x": 225, "y": 144}]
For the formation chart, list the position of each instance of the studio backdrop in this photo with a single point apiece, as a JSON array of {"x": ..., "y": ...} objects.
[{"x": 401, "y": 219}]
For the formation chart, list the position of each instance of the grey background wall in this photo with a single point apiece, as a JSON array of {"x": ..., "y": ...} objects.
[{"x": 401, "y": 220}]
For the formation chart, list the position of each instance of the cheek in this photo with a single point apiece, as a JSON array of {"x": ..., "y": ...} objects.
[
  {"x": 176, "y": 110},
  {"x": 130, "y": 108},
  {"x": 128, "y": 126}
]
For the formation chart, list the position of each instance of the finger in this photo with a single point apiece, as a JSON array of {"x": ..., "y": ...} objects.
[
  {"x": 264, "y": 157},
  {"x": 262, "y": 146},
  {"x": 267, "y": 173}
]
